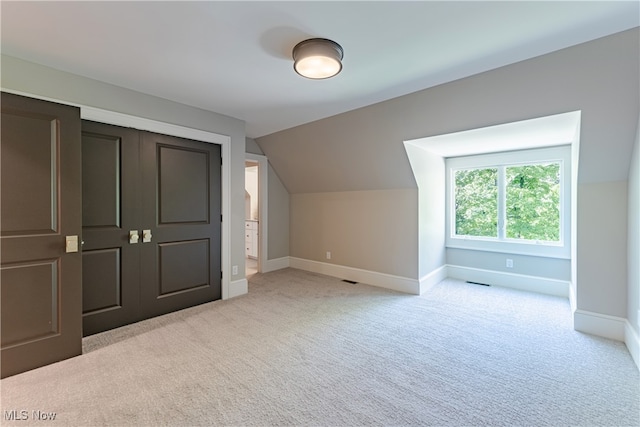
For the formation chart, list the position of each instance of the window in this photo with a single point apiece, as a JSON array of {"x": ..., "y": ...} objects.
[{"x": 515, "y": 202}]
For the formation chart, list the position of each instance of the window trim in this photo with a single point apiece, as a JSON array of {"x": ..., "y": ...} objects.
[{"x": 561, "y": 249}]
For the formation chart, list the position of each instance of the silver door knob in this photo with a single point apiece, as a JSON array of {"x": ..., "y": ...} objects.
[
  {"x": 146, "y": 236},
  {"x": 133, "y": 237}
]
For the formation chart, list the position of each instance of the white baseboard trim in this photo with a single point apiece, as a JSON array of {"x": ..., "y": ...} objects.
[
  {"x": 573, "y": 299},
  {"x": 521, "y": 282},
  {"x": 430, "y": 280},
  {"x": 382, "y": 280},
  {"x": 632, "y": 341},
  {"x": 599, "y": 324},
  {"x": 275, "y": 264},
  {"x": 237, "y": 288}
]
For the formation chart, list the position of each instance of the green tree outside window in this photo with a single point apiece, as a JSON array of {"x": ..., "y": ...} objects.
[
  {"x": 476, "y": 202},
  {"x": 532, "y": 202}
]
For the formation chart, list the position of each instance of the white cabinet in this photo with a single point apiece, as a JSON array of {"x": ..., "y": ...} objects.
[{"x": 251, "y": 238}]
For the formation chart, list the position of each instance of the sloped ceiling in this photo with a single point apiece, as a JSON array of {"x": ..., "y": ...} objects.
[
  {"x": 234, "y": 57},
  {"x": 363, "y": 149}
]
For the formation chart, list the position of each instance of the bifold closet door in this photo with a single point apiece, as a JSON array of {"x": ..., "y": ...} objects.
[
  {"x": 110, "y": 210},
  {"x": 41, "y": 271},
  {"x": 181, "y": 194}
]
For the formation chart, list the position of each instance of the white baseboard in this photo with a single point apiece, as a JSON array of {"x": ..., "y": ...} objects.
[
  {"x": 573, "y": 298},
  {"x": 382, "y": 280},
  {"x": 275, "y": 264},
  {"x": 521, "y": 282},
  {"x": 599, "y": 324},
  {"x": 237, "y": 288},
  {"x": 430, "y": 280},
  {"x": 632, "y": 341}
]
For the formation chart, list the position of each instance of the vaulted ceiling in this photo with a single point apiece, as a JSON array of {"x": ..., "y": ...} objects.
[{"x": 234, "y": 58}]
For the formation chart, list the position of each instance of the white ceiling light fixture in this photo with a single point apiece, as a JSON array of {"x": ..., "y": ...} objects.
[{"x": 317, "y": 58}]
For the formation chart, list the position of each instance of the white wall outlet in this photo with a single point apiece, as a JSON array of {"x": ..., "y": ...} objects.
[
  {"x": 328, "y": 255},
  {"x": 234, "y": 270},
  {"x": 509, "y": 263}
]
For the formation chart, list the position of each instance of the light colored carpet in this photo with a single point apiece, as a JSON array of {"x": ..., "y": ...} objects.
[{"x": 306, "y": 349}]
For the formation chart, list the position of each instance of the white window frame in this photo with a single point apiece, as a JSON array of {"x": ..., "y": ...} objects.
[{"x": 561, "y": 249}]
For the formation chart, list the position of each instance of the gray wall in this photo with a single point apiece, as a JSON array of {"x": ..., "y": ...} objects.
[
  {"x": 361, "y": 229},
  {"x": 278, "y": 245},
  {"x": 551, "y": 268},
  {"x": 40, "y": 81},
  {"x": 252, "y": 147},
  {"x": 633, "y": 243},
  {"x": 429, "y": 172},
  {"x": 362, "y": 150},
  {"x": 602, "y": 248}
]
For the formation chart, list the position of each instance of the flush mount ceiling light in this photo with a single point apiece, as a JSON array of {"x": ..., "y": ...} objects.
[{"x": 317, "y": 58}]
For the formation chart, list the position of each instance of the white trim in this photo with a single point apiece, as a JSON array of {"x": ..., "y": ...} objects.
[
  {"x": 140, "y": 123},
  {"x": 573, "y": 299},
  {"x": 541, "y": 285},
  {"x": 263, "y": 207},
  {"x": 428, "y": 281},
  {"x": 237, "y": 288},
  {"x": 632, "y": 341},
  {"x": 276, "y": 264},
  {"x": 382, "y": 280},
  {"x": 599, "y": 324}
]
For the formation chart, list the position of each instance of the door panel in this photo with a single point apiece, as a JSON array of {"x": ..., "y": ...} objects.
[
  {"x": 101, "y": 269},
  {"x": 180, "y": 267},
  {"x": 30, "y": 298},
  {"x": 183, "y": 181},
  {"x": 41, "y": 204},
  {"x": 184, "y": 266},
  {"x": 100, "y": 179},
  {"x": 35, "y": 214},
  {"x": 110, "y": 209}
]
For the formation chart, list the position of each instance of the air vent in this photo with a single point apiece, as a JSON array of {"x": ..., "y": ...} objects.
[{"x": 476, "y": 283}]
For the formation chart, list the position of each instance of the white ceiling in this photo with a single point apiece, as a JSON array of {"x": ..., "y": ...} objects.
[{"x": 234, "y": 58}]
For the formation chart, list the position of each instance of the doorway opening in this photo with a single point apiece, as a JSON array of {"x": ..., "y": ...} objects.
[
  {"x": 251, "y": 216},
  {"x": 256, "y": 208}
]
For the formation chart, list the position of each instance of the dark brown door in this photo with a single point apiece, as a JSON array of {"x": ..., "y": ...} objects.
[
  {"x": 165, "y": 189},
  {"x": 110, "y": 211},
  {"x": 180, "y": 265},
  {"x": 41, "y": 288}
]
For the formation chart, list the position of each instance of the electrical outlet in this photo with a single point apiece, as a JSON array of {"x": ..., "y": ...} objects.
[
  {"x": 234, "y": 269},
  {"x": 509, "y": 263},
  {"x": 328, "y": 255}
]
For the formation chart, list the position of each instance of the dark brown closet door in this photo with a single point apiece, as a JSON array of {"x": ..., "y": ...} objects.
[
  {"x": 180, "y": 265},
  {"x": 110, "y": 211},
  {"x": 41, "y": 289}
]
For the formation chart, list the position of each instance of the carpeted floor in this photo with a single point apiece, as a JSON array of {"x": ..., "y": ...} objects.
[{"x": 309, "y": 350}]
